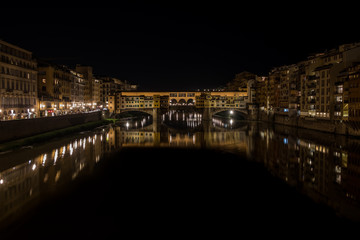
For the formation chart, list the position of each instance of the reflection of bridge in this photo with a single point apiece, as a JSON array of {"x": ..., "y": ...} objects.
[
  {"x": 206, "y": 103},
  {"x": 216, "y": 139}
]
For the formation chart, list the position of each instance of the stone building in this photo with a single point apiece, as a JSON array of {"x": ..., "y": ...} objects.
[
  {"x": 109, "y": 86},
  {"x": 274, "y": 90},
  {"x": 60, "y": 89},
  {"x": 91, "y": 86},
  {"x": 323, "y": 82},
  {"x": 18, "y": 85}
]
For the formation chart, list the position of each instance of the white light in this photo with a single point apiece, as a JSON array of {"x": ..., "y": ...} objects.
[
  {"x": 33, "y": 167},
  {"x": 1, "y": 181},
  {"x": 63, "y": 151},
  {"x": 55, "y": 156},
  {"x": 44, "y": 159},
  {"x": 231, "y": 111}
]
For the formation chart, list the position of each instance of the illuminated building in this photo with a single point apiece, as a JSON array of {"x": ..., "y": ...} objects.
[
  {"x": 323, "y": 82},
  {"x": 18, "y": 90},
  {"x": 274, "y": 90},
  {"x": 91, "y": 86},
  {"x": 288, "y": 89},
  {"x": 109, "y": 86},
  {"x": 347, "y": 95},
  {"x": 60, "y": 89},
  {"x": 262, "y": 91}
]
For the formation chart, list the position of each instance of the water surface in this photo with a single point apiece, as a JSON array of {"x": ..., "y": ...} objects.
[{"x": 182, "y": 167}]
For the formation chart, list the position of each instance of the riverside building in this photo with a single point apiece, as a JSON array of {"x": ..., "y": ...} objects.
[
  {"x": 61, "y": 90},
  {"x": 18, "y": 83}
]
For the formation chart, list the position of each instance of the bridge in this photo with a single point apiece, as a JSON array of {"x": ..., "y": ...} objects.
[{"x": 206, "y": 103}]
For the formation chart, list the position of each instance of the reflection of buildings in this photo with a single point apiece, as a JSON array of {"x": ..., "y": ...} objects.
[
  {"x": 350, "y": 170},
  {"x": 18, "y": 186},
  {"x": 44, "y": 173},
  {"x": 327, "y": 172}
]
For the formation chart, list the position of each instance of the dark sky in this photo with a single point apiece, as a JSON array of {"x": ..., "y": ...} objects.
[{"x": 182, "y": 45}]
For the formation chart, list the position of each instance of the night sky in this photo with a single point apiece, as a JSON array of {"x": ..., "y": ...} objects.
[{"x": 182, "y": 45}]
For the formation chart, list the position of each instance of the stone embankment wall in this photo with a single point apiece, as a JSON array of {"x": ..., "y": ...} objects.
[
  {"x": 311, "y": 123},
  {"x": 11, "y": 130}
]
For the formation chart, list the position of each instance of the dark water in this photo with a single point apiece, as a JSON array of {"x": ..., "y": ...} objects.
[{"x": 181, "y": 178}]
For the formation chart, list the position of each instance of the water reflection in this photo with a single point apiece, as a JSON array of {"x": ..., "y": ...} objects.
[
  {"x": 45, "y": 171},
  {"x": 322, "y": 166}
]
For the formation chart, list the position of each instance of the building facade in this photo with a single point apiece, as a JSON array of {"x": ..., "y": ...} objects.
[
  {"x": 60, "y": 90},
  {"x": 321, "y": 87},
  {"x": 18, "y": 83}
]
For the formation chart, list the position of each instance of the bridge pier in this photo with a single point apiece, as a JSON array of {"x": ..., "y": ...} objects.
[
  {"x": 206, "y": 114},
  {"x": 156, "y": 119}
]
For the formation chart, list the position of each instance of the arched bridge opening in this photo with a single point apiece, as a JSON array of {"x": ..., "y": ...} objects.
[
  {"x": 182, "y": 102},
  {"x": 239, "y": 114},
  {"x": 134, "y": 113}
]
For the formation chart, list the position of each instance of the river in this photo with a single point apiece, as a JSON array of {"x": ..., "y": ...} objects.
[{"x": 133, "y": 171}]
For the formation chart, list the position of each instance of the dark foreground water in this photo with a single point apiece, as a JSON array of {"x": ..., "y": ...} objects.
[{"x": 182, "y": 179}]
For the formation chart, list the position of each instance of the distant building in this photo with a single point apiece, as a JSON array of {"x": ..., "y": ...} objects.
[
  {"x": 109, "y": 86},
  {"x": 240, "y": 82},
  {"x": 60, "y": 89},
  {"x": 91, "y": 86},
  {"x": 18, "y": 85}
]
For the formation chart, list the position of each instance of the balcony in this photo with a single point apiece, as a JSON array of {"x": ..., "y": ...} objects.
[
  {"x": 311, "y": 85},
  {"x": 311, "y": 101},
  {"x": 311, "y": 93},
  {"x": 338, "y": 83},
  {"x": 337, "y": 107}
]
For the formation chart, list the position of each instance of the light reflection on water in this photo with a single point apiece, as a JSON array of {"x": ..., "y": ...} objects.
[{"x": 325, "y": 168}]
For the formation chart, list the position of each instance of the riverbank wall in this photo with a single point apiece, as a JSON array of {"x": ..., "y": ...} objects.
[
  {"x": 323, "y": 125},
  {"x": 12, "y": 130}
]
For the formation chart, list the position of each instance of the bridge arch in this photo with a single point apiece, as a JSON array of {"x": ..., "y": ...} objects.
[
  {"x": 182, "y": 102},
  {"x": 123, "y": 111},
  {"x": 242, "y": 112},
  {"x": 173, "y": 101}
]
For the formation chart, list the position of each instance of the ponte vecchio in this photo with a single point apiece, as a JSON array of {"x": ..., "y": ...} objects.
[{"x": 207, "y": 102}]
